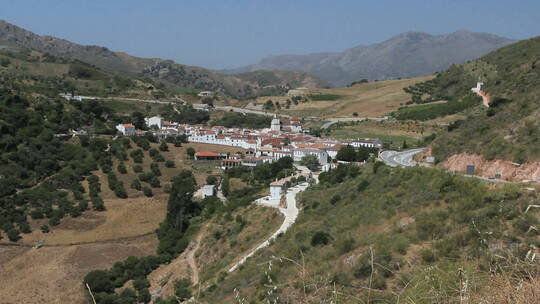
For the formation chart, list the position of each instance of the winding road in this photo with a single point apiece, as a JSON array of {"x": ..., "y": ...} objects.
[
  {"x": 290, "y": 213},
  {"x": 400, "y": 158}
]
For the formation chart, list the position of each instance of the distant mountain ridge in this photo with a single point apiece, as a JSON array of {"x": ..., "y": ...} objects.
[
  {"x": 408, "y": 54},
  {"x": 167, "y": 72}
]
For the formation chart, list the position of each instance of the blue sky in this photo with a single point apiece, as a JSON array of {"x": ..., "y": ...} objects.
[{"x": 232, "y": 33}]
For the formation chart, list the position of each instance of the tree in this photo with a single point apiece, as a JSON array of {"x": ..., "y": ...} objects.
[
  {"x": 136, "y": 184},
  {"x": 347, "y": 153},
  {"x": 190, "y": 152},
  {"x": 122, "y": 168},
  {"x": 13, "y": 234},
  {"x": 137, "y": 119},
  {"x": 181, "y": 289},
  {"x": 311, "y": 162},
  {"x": 44, "y": 228},
  {"x": 180, "y": 206},
  {"x": 211, "y": 180},
  {"x": 225, "y": 187},
  {"x": 269, "y": 105},
  {"x": 99, "y": 281},
  {"x": 169, "y": 164},
  {"x": 147, "y": 191},
  {"x": 163, "y": 147}
]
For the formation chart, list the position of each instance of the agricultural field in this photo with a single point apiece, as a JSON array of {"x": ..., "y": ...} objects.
[
  {"x": 374, "y": 99},
  {"x": 95, "y": 239}
]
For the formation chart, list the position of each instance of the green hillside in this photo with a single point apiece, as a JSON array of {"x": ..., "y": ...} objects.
[
  {"x": 378, "y": 234},
  {"x": 509, "y": 129},
  {"x": 25, "y": 70}
]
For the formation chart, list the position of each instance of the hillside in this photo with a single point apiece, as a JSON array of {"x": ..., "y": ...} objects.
[
  {"x": 406, "y": 55},
  {"x": 164, "y": 72},
  {"x": 509, "y": 128},
  {"x": 373, "y": 99},
  {"x": 368, "y": 235}
]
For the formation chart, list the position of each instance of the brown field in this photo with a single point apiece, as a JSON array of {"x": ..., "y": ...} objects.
[
  {"x": 95, "y": 240},
  {"x": 372, "y": 99}
]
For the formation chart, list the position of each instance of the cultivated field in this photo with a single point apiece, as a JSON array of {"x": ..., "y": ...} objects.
[
  {"x": 94, "y": 240},
  {"x": 372, "y": 99}
]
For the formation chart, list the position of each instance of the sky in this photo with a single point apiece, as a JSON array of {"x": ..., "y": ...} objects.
[{"x": 221, "y": 34}]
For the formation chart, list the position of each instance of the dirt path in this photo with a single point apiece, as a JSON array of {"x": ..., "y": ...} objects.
[{"x": 192, "y": 262}]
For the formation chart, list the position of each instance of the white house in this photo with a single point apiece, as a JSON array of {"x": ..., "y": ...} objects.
[
  {"x": 321, "y": 155},
  {"x": 126, "y": 129},
  {"x": 478, "y": 87},
  {"x": 275, "y": 190},
  {"x": 154, "y": 121},
  {"x": 208, "y": 190}
]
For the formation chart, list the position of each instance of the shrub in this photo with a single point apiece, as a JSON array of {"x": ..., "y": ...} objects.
[
  {"x": 320, "y": 238},
  {"x": 44, "y": 228},
  {"x": 345, "y": 245},
  {"x": 147, "y": 191},
  {"x": 170, "y": 164},
  {"x": 122, "y": 168},
  {"x": 427, "y": 255},
  {"x": 137, "y": 168},
  {"x": 136, "y": 184},
  {"x": 163, "y": 147}
]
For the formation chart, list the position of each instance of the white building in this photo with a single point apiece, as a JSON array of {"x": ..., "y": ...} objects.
[
  {"x": 275, "y": 191},
  {"x": 206, "y": 94},
  {"x": 321, "y": 155},
  {"x": 478, "y": 87},
  {"x": 126, "y": 129},
  {"x": 275, "y": 125},
  {"x": 154, "y": 121},
  {"x": 208, "y": 190}
]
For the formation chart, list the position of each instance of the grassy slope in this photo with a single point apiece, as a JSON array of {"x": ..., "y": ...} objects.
[
  {"x": 510, "y": 129},
  {"x": 367, "y": 99},
  {"x": 419, "y": 239}
]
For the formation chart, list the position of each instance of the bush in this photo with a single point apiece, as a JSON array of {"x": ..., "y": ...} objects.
[
  {"x": 163, "y": 147},
  {"x": 345, "y": 245},
  {"x": 428, "y": 256},
  {"x": 320, "y": 238},
  {"x": 170, "y": 164},
  {"x": 44, "y": 228},
  {"x": 137, "y": 168},
  {"x": 122, "y": 168},
  {"x": 147, "y": 191},
  {"x": 136, "y": 184}
]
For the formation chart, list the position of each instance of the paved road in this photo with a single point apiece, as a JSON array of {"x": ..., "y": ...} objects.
[
  {"x": 290, "y": 213},
  {"x": 403, "y": 158}
]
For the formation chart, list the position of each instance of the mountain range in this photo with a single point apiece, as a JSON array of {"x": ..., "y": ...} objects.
[
  {"x": 408, "y": 54},
  {"x": 165, "y": 72}
]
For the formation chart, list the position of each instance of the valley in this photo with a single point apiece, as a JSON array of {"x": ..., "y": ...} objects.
[{"x": 142, "y": 180}]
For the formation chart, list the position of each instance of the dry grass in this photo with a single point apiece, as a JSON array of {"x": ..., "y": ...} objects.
[
  {"x": 372, "y": 99},
  {"x": 54, "y": 274}
]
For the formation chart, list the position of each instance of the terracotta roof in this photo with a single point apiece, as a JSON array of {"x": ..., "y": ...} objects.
[
  {"x": 128, "y": 125},
  {"x": 207, "y": 154}
]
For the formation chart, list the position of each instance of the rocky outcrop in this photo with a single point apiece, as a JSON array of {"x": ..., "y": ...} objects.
[{"x": 506, "y": 169}]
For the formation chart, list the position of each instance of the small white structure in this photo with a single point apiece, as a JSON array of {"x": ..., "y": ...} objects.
[
  {"x": 206, "y": 94},
  {"x": 298, "y": 92},
  {"x": 154, "y": 121},
  {"x": 478, "y": 87},
  {"x": 126, "y": 129},
  {"x": 275, "y": 125},
  {"x": 208, "y": 190},
  {"x": 275, "y": 190}
]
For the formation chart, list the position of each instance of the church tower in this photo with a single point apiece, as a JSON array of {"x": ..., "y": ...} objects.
[{"x": 276, "y": 124}]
